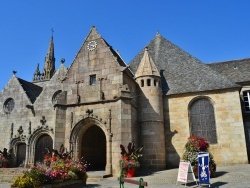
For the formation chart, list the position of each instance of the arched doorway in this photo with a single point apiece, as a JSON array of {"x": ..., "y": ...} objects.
[
  {"x": 44, "y": 141},
  {"x": 21, "y": 154},
  {"x": 93, "y": 148}
]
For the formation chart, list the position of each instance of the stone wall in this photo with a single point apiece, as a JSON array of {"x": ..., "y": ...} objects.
[{"x": 231, "y": 146}]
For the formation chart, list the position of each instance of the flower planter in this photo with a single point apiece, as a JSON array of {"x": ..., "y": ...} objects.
[
  {"x": 5, "y": 165},
  {"x": 63, "y": 184},
  {"x": 130, "y": 172}
]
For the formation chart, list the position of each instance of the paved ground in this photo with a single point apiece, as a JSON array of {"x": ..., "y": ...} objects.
[{"x": 230, "y": 176}]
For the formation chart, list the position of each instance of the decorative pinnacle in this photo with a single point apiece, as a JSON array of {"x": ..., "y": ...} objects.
[
  {"x": 157, "y": 33},
  {"x": 62, "y": 60}
]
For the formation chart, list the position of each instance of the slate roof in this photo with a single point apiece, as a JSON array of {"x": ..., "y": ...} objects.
[
  {"x": 236, "y": 70},
  {"x": 181, "y": 72},
  {"x": 32, "y": 90},
  {"x": 119, "y": 59}
]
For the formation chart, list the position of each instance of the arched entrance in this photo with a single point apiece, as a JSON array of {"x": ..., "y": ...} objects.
[
  {"x": 93, "y": 148},
  {"x": 44, "y": 141},
  {"x": 21, "y": 154}
]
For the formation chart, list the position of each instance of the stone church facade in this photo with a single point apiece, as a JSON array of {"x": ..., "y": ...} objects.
[{"x": 98, "y": 102}]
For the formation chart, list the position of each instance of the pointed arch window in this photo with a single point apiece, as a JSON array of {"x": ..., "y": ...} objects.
[{"x": 202, "y": 119}]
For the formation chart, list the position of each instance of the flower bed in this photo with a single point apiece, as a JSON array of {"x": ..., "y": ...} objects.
[{"x": 57, "y": 168}]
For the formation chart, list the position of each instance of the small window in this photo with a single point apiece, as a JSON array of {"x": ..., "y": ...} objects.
[
  {"x": 92, "y": 79},
  {"x": 142, "y": 83},
  {"x": 9, "y": 105},
  {"x": 56, "y": 96},
  {"x": 148, "y": 82},
  {"x": 246, "y": 98},
  {"x": 155, "y": 82}
]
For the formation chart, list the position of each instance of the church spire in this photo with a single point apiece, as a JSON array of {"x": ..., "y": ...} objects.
[{"x": 49, "y": 65}]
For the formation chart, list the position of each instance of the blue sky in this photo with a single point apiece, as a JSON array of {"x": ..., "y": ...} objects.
[{"x": 212, "y": 31}]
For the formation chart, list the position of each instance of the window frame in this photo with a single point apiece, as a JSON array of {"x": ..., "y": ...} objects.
[
  {"x": 205, "y": 132},
  {"x": 92, "y": 79},
  {"x": 247, "y": 97},
  {"x": 8, "y": 105}
]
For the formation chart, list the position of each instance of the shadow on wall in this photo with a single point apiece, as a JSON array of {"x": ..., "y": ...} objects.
[
  {"x": 164, "y": 84},
  {"x": 246, "y": 121},
  {"x": 172, "y": 157}
]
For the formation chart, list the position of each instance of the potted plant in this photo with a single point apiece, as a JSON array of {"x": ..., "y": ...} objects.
[
  {"x": 5, "y": 158},
  {"x": 129, "y": 159},
  {"x": 194, "y": 145}
]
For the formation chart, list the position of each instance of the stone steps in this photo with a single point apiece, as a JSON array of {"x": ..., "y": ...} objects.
[
  {"x": 96, "y": 176},
  {"x": 9, "y": 174}
]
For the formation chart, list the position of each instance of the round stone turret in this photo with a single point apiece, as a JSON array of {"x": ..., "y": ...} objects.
[{"x": 151, "y": 114}]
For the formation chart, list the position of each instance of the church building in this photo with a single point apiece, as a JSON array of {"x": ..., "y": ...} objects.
[{"x": 163, "y": 96}]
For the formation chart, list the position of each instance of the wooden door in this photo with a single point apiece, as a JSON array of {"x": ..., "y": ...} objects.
[
  {"x": 94, "y": 148},
  {"x": 45, "y": 141},
  {"x": 21, "y": 154}
]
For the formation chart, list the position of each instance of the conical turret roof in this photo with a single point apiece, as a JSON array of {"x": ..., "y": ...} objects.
[{"x": 147, "y": 66}]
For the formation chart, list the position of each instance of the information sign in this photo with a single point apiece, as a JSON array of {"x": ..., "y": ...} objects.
[
  {"x": 203, "y": 168},
  {"x": 185, "y": 172}
]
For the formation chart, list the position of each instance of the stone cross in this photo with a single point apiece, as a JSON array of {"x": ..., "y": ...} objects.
[{"x": 43, "y": 120}]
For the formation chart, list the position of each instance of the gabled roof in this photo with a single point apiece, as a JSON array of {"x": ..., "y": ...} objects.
[
  {"x": 94, "y": 35},
  {"x": 236, "y": 70},
  {"x": 32, "y": 90},
  {"x": 181, "y": 72}
]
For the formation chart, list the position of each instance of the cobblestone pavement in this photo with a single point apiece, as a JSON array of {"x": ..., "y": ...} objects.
[{"x": 227, "y": 176}]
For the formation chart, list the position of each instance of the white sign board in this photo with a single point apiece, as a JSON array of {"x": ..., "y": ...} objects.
[{"x": 185, "y": 172}]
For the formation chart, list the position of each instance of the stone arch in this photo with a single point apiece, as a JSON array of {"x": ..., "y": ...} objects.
[
  {"x": 33, "y": 140},
  {"x": 79, "y": 131},
  {"x": 18, "y": 148},
  {"x": 200, "y": 97}
]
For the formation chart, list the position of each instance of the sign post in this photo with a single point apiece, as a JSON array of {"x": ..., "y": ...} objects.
[
  {"x": 203, "y": 168},
  {"x": 185, "y": 173}
]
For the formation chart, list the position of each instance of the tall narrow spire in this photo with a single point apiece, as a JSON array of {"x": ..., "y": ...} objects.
[{"x": 49, "y": 66}]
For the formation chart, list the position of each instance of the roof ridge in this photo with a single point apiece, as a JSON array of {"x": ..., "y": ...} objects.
[{"x": 227, "y": 61}]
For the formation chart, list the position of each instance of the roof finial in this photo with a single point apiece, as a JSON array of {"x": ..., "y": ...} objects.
[
  {"x": 157, "y": 32},
  {"x": 14, "y": 72},
  {"x": 62, "y": 60}
]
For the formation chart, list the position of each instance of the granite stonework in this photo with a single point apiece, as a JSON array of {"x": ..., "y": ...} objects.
[{"x": 99, "y": 103}]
